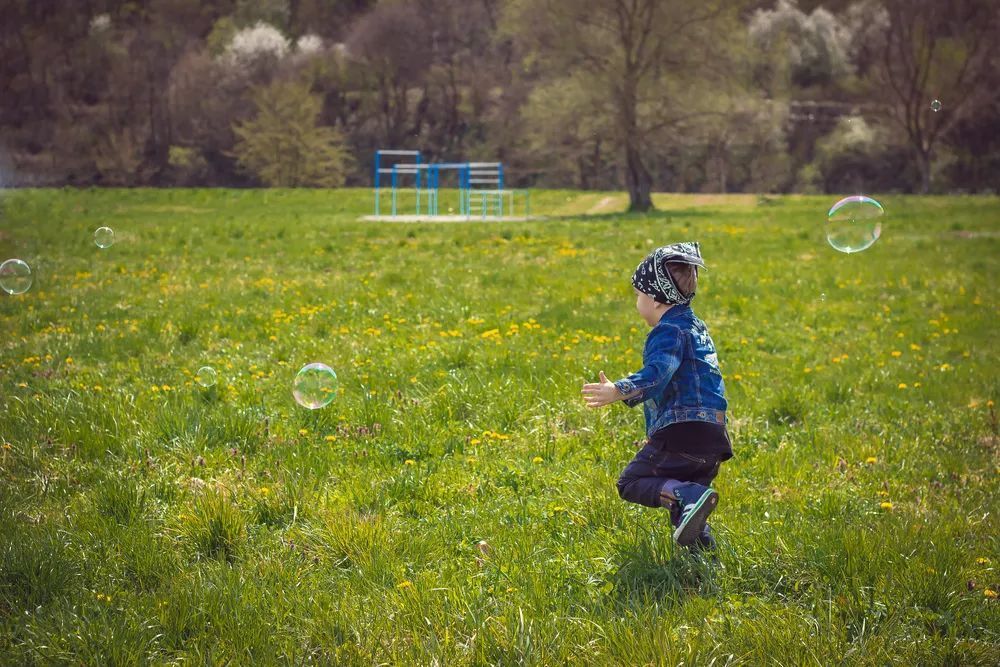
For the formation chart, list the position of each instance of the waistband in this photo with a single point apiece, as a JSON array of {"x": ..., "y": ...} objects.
[{"x": 688, "y": 415}]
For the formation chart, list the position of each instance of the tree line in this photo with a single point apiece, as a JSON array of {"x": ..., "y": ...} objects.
[{"x": 671, "y": 95}]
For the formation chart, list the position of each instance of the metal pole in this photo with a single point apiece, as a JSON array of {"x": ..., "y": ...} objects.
[
  {"x": 394, "y": 172},
  {"x": 464, "y": 196},
  {"x": 378, "y": 161},
  {"x": 418, "y": 184},
  {"x": 436, "y": 176}
]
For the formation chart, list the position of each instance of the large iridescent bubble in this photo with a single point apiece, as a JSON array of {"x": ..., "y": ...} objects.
[
  {"x": 315, "y": 386},
  {"x": 854, "y": 223}
]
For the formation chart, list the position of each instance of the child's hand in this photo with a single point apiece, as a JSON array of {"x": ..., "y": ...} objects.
[{"x": 601, "y": 393}]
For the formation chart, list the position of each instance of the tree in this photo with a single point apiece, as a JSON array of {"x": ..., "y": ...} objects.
[
  {"x": 817, "y": 46},
  {"x": 936, "y": 50},
  {"x": 634, "y": 53},
  {"x": 283, "y": 145}
]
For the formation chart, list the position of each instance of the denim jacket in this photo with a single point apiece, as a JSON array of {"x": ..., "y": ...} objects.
[{"x": 680, "y": 379}]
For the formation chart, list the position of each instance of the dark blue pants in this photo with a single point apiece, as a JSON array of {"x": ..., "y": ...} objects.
[{"x": 653, "y": 467}]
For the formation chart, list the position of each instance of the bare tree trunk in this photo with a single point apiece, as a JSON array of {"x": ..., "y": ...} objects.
[
  {"x": 637, "y": 178},
  {"x": 924, "y": 164}
]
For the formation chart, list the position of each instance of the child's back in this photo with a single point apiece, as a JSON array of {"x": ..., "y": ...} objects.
[{"x": 683, "y": 397}]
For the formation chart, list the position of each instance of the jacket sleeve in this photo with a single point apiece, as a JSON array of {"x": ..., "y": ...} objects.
[{"x": 661, "y": 360}]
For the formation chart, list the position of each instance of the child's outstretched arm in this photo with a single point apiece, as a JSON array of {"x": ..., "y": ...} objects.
[
  {"x": 598, "y": 394},
  {"x": 662, "y": 357}
]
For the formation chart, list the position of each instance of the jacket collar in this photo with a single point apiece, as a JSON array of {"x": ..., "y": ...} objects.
[{"x": 677, "y": 312}]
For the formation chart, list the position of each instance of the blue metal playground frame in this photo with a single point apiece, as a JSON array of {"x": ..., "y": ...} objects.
[{"x": 470, "y": 174}]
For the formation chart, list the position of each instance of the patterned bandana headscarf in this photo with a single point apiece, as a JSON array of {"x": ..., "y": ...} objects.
[{"x": 651, "y": 277}]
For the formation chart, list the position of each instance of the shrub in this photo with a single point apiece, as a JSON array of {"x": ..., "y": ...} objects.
[{"x": 283, "y": 145}]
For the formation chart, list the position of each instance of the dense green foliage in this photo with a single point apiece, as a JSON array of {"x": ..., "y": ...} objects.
[
  {"x": 143, "y": 517},
  {"x": 282, "y": 146},
  {"x": 649, "y": 95}
]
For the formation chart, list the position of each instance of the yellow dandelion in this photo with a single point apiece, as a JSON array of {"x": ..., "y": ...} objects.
[
  {"x": 69, "y": 361},
  {"x": 886, "y": 505},
  {"x": 990, "y": 593},
  {"x": 914, "y": 346},
  {"x": 537, "y": 459},
  {"x": 404, "y": 584},
  {"x": 409, "y": 462},
  {"x": 982, "y": 561},
  {"x": 330, "y": 438},
  {"x": 883, "y": 493},
  {"x": 896, "y": 353},
  {"x": 737, "y": 377},
  {"x": 474, "y": 441},
  {"x": 303, "y": 431},
  {"x": 264, "y": 491},
  {"x": 901, "y": 385},
  {"x": 870, "y": 460}
]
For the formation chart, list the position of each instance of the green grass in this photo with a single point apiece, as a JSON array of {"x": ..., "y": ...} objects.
[{"x": 144, "y": 518}]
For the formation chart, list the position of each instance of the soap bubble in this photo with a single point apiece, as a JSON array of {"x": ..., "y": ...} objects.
[
  {"x": 315, "y": 386},
  {"x": 104, "y": 237},
  {"x": 15, "y": 276},
  {"x": 206, "y": 376},
  {"x": 936, "y": 106},
  {"x": 854, "y": 223}
]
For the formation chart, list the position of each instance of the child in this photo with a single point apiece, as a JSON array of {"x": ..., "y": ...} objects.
[{"x": 683, "y": 397}]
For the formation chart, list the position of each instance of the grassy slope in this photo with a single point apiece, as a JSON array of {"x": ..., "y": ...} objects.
[{"x": 141, "y": 515}]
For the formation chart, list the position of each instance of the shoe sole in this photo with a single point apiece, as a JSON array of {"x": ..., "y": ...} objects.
[{"x": 689, "y": 529}]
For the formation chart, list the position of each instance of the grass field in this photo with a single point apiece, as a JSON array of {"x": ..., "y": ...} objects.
[{"x": 145, "y": 518}]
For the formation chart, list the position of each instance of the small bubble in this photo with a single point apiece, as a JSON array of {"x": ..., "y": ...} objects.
[
  {"x": 104, "y": 237},
  {"x": 15, "y": 276},
  {"x": 822, "y": 297},
  {"x": 206, "y": 376},
  {"x": 936, "y": 106}
]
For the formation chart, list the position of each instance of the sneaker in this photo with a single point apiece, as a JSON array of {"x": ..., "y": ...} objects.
[
  {"x": 705, "y": 540},
  {"x": 697, "y": 502}
]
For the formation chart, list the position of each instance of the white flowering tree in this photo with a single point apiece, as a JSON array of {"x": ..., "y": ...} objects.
[
  {"x": 252, "y": 46},
  {"x": 308, "y": 45},
  {"x": 816, "y": 46}
]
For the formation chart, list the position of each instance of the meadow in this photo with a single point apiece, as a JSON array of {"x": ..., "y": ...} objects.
[{"x": 456, "y": 503}]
